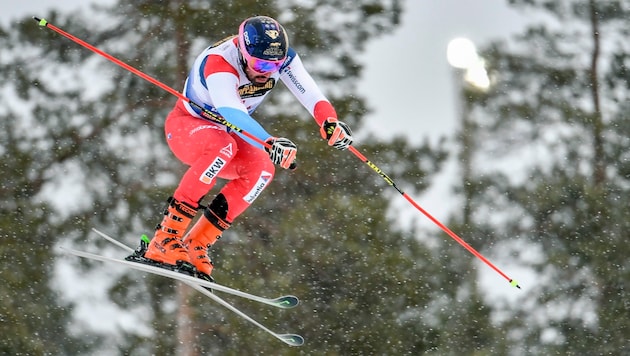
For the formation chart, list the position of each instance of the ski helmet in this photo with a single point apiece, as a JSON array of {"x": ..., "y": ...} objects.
[{"x": 263, "y": 43}]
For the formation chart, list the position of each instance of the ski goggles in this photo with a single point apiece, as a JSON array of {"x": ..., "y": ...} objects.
[{"x": 262, "y": 66}]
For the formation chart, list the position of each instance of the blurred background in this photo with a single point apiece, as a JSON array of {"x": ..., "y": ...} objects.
[{"x": 507, "y": 121}]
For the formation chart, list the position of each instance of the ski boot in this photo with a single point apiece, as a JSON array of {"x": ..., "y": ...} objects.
[
  {"x": 206, "y": 231},
  {"x": 166, "y": 249}
]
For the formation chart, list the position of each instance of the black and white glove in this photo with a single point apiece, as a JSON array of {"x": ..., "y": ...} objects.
[
  {"x": 281, "y": 151},
  {"x": 337, "y": 133}
]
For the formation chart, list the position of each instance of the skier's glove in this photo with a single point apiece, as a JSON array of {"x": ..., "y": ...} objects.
[
  {"x": 281, "y": 151},
  {"x": 337, "y": 133}
]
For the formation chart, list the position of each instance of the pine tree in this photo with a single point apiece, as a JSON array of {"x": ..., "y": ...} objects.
[
  {"x": 559, "y": 98},
  {"x": 35, "y": 149}
]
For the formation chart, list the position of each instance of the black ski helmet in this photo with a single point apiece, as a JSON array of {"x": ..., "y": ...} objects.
[{"x": 263, "y": 38}]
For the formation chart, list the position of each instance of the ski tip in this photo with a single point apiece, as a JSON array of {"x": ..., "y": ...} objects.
[
  {"x": 291, "y": 339},
  {"x": 286, "y": 301}
]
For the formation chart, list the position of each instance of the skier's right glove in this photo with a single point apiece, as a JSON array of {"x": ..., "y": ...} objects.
[{"x": 281, "y": 151}]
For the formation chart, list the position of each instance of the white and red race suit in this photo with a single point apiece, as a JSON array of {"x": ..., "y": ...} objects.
[{"x": 217, "y": 81}]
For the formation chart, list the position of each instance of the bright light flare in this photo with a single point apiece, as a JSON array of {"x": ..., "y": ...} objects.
[
  {"x": 477, "y": 76},
  {"x": 461, "y": 53}
]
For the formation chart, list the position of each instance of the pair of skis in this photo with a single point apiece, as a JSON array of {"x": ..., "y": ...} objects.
[{"x": 204, "y": 287}]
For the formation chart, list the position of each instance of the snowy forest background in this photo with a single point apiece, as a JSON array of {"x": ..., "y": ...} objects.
[{"x": 544, "y": 184}]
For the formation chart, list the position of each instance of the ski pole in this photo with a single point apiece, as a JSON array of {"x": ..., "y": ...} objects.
[
  {"x": 205, "y": 112},
  {"x": 512, "y": 282}
]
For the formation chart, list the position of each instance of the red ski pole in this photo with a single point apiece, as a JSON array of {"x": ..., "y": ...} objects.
[{"x": 513, "y": 282}]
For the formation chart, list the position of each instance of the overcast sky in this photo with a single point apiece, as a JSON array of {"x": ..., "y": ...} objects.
[{"x": 408, "y": 77}]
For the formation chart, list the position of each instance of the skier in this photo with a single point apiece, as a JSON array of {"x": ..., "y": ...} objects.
[{"x": 231, "y": 78}]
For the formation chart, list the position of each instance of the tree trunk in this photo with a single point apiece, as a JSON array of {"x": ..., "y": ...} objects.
[
  {"x": 599, "y": 169},
  {"x": 185, "y": 320},
  {"x": 185, "y": 329}
]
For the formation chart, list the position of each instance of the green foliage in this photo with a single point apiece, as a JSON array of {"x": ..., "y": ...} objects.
[
  {"x": 33, "y": 319},
  {"x": 559, "y": 95}
]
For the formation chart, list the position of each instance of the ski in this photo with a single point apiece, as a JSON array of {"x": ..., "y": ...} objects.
[
  {"x": 203, "y": 287},
  {"x": 289, "y": 339},
  {"x": 283, "y": 302}
]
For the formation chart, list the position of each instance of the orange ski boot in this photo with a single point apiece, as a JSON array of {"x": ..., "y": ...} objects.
[
  {"x": 206, "y": 231},
  {"x": 167, "y": 247}
]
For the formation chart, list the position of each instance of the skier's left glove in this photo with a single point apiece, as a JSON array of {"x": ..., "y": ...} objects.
[
  {"x": 281, "y": 151},
  {"x": 337, "y": 133}
]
